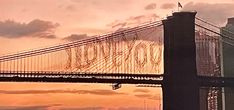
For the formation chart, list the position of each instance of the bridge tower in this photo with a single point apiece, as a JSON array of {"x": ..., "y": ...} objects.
[{"x": 180, "y": 86}]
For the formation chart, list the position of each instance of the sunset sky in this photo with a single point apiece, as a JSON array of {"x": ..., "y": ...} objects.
[{"x": 27, "y": 24}]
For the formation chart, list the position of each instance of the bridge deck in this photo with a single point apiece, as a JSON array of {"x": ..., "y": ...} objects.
[
  {"x": 123, "y": 78},
  {"x": 75, "y": 77},
  {"x": 206, "y": 81}
]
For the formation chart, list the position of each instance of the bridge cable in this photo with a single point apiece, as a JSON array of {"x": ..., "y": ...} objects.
[
  {"x": 224, "y": 36},
  {"x": 103, "y": 37}
]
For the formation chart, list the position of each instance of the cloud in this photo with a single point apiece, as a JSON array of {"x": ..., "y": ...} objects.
[
  {"x": 61, "y": 107},
  {"x": 133, "y": 21},
  {"x": 156, "y": 97},
  {"x": 216, "y": 13},
  {"x": 105, "y": 4},
  {"x": 150, "y": 6},
  {"x": 132, "y": 108},
  {"x": 23, "y": 107},
  {"x": 93, "y": 92},
  {"x": 167, "y": 6},
  {"x": 142, "y": 18},
  {"x": 36, "y": 107},
  {"x": 91, "y": 30},
  {"x": 149, "y": 96},
  {"x": 143, "y": 95},
  {"x": 74, "y": 37},
  {"x": 36, "y": 28},
  {"x": 105, "y": 108},
  {"x": 117, "y": 23},
  {"x": 74, "y": 108},
  {"x": 70, "y": 8},
  {"x": 83, "y": 108},
  {"x": 121, "y": 29},
  {"x": 141, "y": 90}
]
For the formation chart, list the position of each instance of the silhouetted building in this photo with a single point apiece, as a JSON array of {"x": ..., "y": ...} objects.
[
  {"x": 228, "y": 61},
  {"x": 209, "y": 64}
]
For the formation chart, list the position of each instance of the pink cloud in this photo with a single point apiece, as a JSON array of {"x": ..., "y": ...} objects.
[
  {"x": 151, "y": 6},
  {"x": 35, "y": 28},
  {"x": 168, "y": 6}
]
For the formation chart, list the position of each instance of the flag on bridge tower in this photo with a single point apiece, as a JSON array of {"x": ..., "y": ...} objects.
[{"x": 179, "y": 6}]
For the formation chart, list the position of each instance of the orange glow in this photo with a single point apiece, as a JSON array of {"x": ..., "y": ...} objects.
[{"x": 62, "y": 18}]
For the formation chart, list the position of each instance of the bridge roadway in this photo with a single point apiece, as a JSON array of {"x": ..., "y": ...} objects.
[
  {"x": 209, "y": 81},
  {"x": 75, "y": 77},
  {"x": 122, "y": 78}
]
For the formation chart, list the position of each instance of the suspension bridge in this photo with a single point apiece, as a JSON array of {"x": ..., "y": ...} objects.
[{"x": 181, "y": 54}]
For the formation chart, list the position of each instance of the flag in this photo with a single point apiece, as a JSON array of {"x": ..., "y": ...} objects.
[{"x": 179, "y": 5}]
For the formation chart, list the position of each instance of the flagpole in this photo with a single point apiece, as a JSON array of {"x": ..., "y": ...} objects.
[
  {"x": 178, "y": 9},
  {"x": 178, "y": 6}
]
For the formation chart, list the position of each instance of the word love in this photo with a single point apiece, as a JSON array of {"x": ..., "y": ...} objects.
[{"x": 117, "y": 53}]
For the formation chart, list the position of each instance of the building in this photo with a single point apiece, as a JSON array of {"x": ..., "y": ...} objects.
[
  {"x": 228, "y": 61},
  {"x": 209, "y": 64}
]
